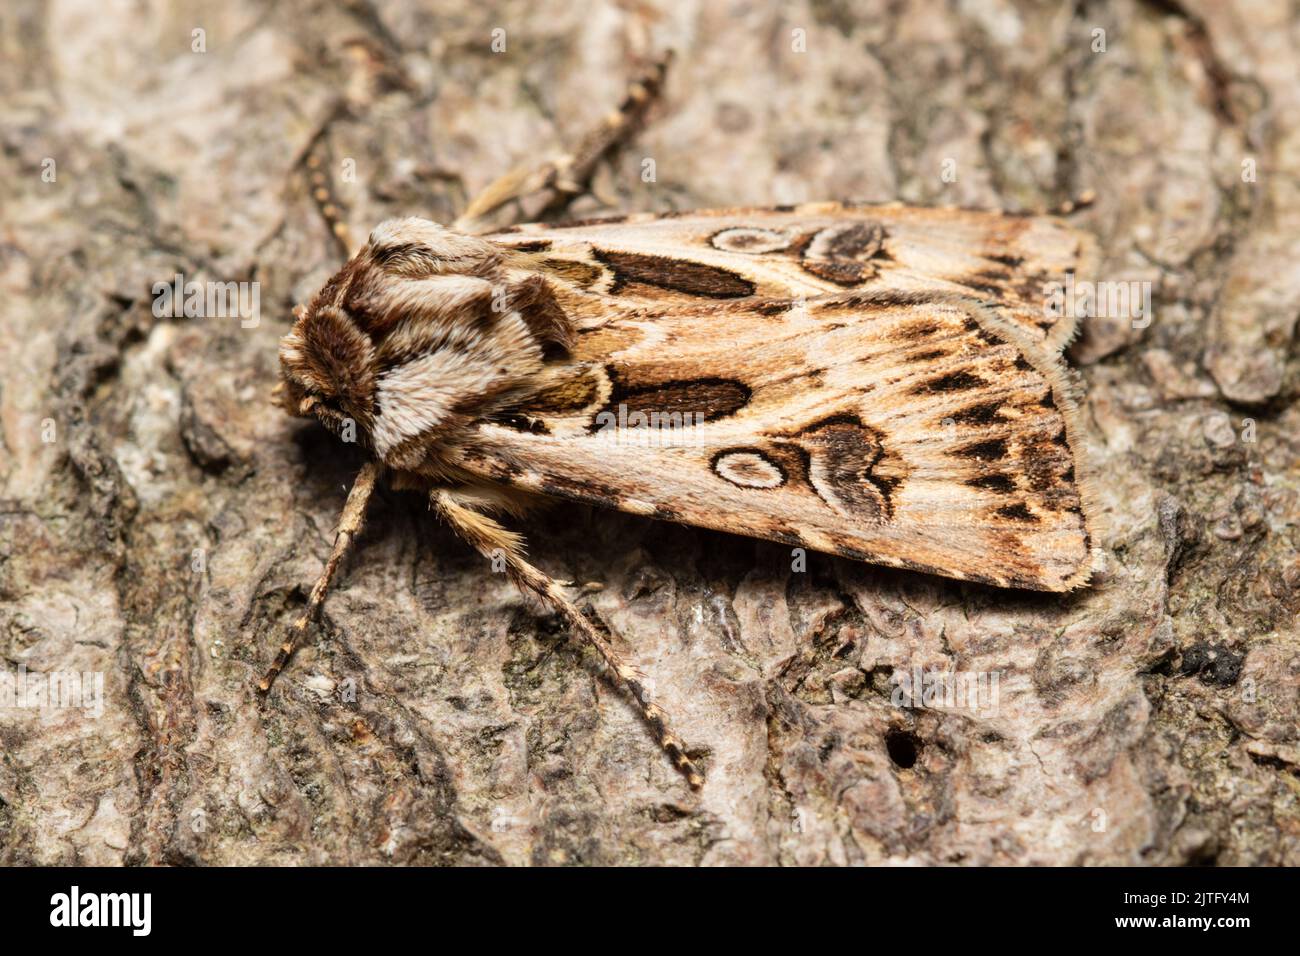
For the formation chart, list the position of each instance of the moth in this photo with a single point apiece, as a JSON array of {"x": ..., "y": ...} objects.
[{"x": 878, "y": 382}]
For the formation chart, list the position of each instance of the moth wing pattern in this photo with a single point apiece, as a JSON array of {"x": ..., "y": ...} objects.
[
  {"x": 818, "y": 249},
  {"x": 908, "y": 419}
]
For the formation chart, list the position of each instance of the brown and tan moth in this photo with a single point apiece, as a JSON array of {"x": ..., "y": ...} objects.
[{"x": 875, "y": 382}]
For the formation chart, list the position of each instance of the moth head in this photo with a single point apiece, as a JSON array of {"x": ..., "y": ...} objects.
[
  {"x": 423, "y": 332},
  {"x": 328, "y": 369}
]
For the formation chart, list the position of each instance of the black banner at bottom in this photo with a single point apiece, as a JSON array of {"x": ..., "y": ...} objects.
[{"x": 336, "y": 906}]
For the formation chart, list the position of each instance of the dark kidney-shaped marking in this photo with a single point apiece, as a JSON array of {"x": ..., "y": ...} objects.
[
  {"x": 842, "y": 453},
  {"x": 841, "y": 254}
]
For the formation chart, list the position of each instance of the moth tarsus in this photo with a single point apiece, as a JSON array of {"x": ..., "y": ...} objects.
[
  {"x": 350, "y": 523},
  {"x": 880, "y": 383},
  {"x": 493, "y": 541}
]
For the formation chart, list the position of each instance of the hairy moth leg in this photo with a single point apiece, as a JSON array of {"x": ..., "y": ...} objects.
[
  {"x": 491, "y": 540},
  {"x": 350, "y": 524},
  {"x": 544, "y": 188}
]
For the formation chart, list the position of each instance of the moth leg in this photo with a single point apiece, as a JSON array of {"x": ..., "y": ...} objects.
[
  {"x": 350, "y": 524},
  {"x": 545, "y": 188},
  {"x": 491, "y": 540}
]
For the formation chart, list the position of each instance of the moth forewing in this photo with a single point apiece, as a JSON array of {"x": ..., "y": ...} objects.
[
  {"x": 817, "y": 249},
  {"x": 915, "y": 431},
  {"x": 880, "y": 382}
]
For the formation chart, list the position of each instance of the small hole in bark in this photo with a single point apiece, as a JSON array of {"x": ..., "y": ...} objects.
[{"x": 903, "y": 747}]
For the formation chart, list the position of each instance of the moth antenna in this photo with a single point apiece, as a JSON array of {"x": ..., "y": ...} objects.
[
  {"x": 549, "y": 186},
  {"x": 315, "y": 162},
  {"x": 615, "y": 128},
  {"x": 350, "y": 523},
  {"x": 1082, "y": 201},
  {"x": 491, "y": 540}
]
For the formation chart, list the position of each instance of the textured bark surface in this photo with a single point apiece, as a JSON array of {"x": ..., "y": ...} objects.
[{"x": 1152, "y": 718}]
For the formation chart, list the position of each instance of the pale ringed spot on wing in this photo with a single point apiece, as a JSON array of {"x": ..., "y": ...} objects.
[
  {"x": 747, "y": 468},
  {"x": 747, "y": 239}
]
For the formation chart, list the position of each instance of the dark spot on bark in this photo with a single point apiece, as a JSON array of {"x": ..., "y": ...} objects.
[
  {"x": 1212, "y": 664},
  {"x": 903, "y": 746}
]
